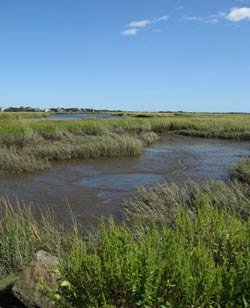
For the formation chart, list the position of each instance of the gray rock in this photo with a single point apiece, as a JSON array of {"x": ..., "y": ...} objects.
[{"x": 29, "y": 286}]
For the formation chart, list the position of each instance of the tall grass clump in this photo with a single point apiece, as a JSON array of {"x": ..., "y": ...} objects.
[
  {"x": 159, "y": 203},
  {"x": 28, "y": 146},
  {"x": 201, "y": 259},
  {"x": 241, "y": 170},
  {"x": 33, "y": 156},
  {"x": 25, "y": 229},
  {"x": 14, "y": 162}
]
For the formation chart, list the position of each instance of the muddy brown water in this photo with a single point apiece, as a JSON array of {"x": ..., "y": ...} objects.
[{"x": 96, "y": 187}]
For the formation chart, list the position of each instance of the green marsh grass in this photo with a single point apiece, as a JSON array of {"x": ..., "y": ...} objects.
[
  {"x": 241, "y": 170},
  {"x": 159, "y": 203},
  {"x": 23, "y": 115},
  {"x": 66, "y": 139},
  {"x": 25, "y": 229}
]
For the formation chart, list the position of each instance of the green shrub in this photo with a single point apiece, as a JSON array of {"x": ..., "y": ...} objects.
[{"x": 202, "y": 259}]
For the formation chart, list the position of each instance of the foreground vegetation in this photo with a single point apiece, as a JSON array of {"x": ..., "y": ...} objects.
[
  {"x": 28, "y": 145},
  {"x": 201, "y": 260},
  {"x": 178, "y": 246}
]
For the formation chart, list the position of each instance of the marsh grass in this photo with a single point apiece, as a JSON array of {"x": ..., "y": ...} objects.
[
  {"x": 220, "y": 126},
  {"x": 23, "y": 115},
  {"x": 159, "y": 203},
  {"x": 28, "y": 145},
  {"x": 13, "y": 161},
  {"x": 25, "y": 229},
  {"x": 38, "y": 155},
  {"x": 241, "y": 170},
  {"x": 237, "y": 126}
]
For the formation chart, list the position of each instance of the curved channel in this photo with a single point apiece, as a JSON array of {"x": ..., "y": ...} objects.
[{"x": 97, "y": 187}]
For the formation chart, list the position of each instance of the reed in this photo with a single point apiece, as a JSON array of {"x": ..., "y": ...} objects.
[{"x": 24, "y": 229}]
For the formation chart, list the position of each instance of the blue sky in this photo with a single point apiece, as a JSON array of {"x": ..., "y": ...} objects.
[{"x": 126, "y": 54}]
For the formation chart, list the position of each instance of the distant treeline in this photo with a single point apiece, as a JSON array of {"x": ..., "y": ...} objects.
[
  {"x": 21, "y": 109},
  {"x": 57, "y": 109},
  {"x": 54, "y": 109},
  {"x": 79, "y": 110}
]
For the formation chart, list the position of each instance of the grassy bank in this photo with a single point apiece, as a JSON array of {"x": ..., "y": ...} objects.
[
  {"x": 38, "y": 155},
  {"x": 241, "y": 170},
  {"x": 209, "y": 126},
  {"x": 224, "y": 126},
  {"x": 27, "y": 145},
  {"x": 180, "y": 246},
  {"x": 23, "y": 115}
]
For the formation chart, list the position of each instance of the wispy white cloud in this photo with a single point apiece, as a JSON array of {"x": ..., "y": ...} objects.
[
  {"x": 234, "y": 15},
  {"x": 211, "y": 19},
  {"x": 136, "y": 25},
  {"x": 130, "y": 32},
  {"x": 140, "y": 23},
  {"x": 238, "y": 14},
  {"x": 162, "y": 18},
  {"x": 214, "y": 18}
]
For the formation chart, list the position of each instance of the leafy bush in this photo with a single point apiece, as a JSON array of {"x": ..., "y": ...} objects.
[{"x": 202, "y": 259}]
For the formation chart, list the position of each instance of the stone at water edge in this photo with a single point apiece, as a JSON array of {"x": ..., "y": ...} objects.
[{"x": 28, "y": 287}]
